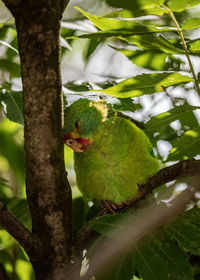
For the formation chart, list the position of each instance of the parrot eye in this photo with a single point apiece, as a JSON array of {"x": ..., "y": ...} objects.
[{"x": 70, "y": 142}]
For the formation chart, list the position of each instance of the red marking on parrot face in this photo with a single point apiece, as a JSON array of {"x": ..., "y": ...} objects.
[{"x": 77, "y": 144}]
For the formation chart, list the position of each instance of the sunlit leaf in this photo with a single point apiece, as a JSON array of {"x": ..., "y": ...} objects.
[
  {"x": 153, "y": 42},
  {"x": 8, "y": 45},
  {"x": 145, "y": 84},
  {"x": 194, "y": 46},
  {"x": 139, "y": 7},
  {"x": 162, "y": 120},
  {"x": 11, "y": 147},
  {"x": 105, "y": 23},
  {"x": 181, "y": 5},
  {"x": 187, "y": 146},
  {"x": 13, "y": 105},
  {"x": 153, "y": 60},
  {"x": 191, "y": 23},
  {"x": 92, "y": 46},
  {"x": 117, "y": 27}
]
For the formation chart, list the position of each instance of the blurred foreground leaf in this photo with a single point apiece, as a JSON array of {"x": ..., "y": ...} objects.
[{"x": 159, "y": 256}]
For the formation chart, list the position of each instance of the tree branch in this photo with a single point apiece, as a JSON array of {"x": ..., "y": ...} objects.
[
  {"x": 16, "y": 229},
  {"x": 185, "y": 168}
]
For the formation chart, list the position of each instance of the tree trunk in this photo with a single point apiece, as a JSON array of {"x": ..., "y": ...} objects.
[{"x": 48, "y": 191}]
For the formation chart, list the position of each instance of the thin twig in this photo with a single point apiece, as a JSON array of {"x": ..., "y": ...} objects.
[
  {"x": 179, "y": 30},
  {"x": 10, "y": 223}
]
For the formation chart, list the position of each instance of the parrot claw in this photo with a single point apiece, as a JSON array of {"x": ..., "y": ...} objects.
[{"x": 110, "y": 207}]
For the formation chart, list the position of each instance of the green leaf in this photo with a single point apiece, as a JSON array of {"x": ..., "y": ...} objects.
[
  {"x": 13, "y": 105},
  {"x": 181, "y": 5},
  {"x": 105, "y": 23},
  {"x": 12, "y": 67},
  {"x": 160, "y": 121},
  {"x": 186, "y": 230},
  {"x": 166, "y": 133},
  {"x": 92, "y": 46},
  {"x": 12, "y": 148},
  {"x": 138, "y": 29},
  {"x": 77, "y": 88},
  {"x": 191, "y": 23},
  {"x": 188, "y": 120},
  {"x": 139, "y": 7},
  {"x": 8, "y": 45},
  {"x": 145, "y": 84},
  {"x": 22, "y": 212},
  {"x": 194, "y": 46},
  {"x": 160, "y": 258},
  {"x": 126, "y": 104},
  {"x": 187, "y": 146},
  {"x": 187, "y": 235},
  {"x": 152, "y": 60},
  {"x": 116, "y": 27},
  {"x": 153, "y": 42}
]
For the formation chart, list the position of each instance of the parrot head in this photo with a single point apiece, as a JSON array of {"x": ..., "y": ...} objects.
[{"x": 82, "y": 121}]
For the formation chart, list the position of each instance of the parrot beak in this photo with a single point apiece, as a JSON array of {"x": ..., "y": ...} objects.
[{"x": 77, "y": 144}]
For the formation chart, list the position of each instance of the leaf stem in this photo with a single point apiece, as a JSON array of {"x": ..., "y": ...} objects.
[{"x": 179, "y": 30}]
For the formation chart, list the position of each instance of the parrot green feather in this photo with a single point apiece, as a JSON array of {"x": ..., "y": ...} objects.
[{"x": 117, "y": 161}]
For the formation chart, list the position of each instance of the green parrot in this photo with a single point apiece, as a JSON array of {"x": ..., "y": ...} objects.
[{"x": 112, "y": 156}]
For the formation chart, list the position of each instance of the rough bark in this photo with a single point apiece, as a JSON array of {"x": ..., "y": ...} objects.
[{"x": 48, "y": 191}]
